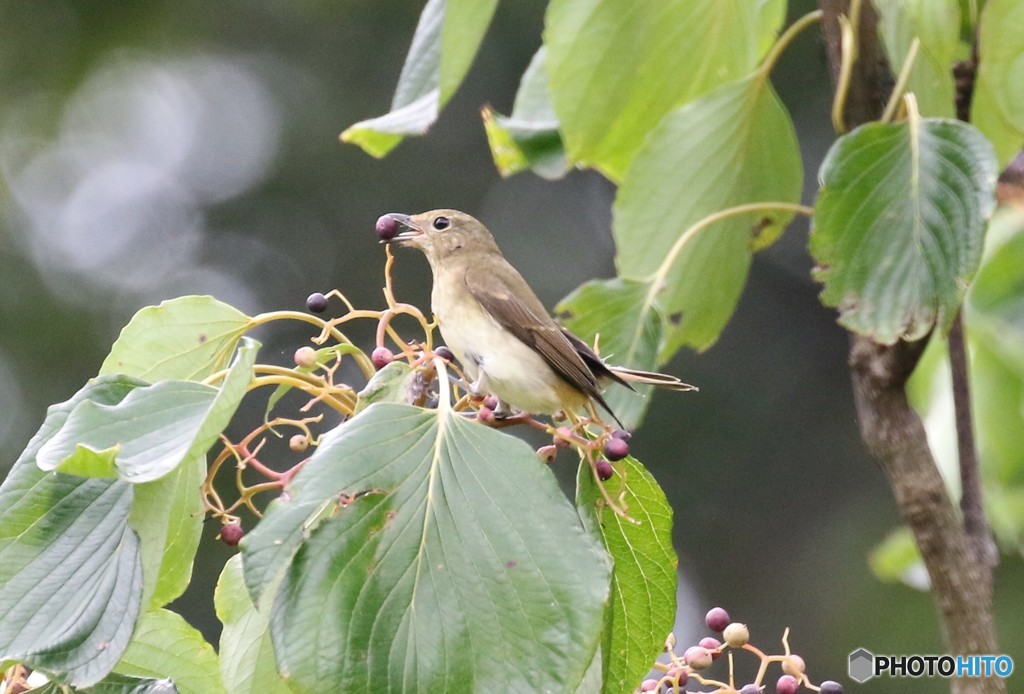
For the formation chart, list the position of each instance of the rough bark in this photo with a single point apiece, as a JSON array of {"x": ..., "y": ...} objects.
[{"x": 959, "y": 567}]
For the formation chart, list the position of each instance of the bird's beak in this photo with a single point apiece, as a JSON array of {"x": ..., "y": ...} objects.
[{"x": 410, "y": 232}]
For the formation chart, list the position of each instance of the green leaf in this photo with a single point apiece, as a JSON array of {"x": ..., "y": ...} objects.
[
  {"x": 642, "y": 608},
  {"x": 165, "y": 645},
  {"x": 997, "y": 108},
  {"x": 447, "y": 38},
  {"x": 937, "y": 26},
  {"x": 896, "y": 559},
  {"x": 457, "y": 564},
  {"x": 994, "y": 317},
  {"x": 143, "y": 437},
  {"x": 151, "y": 431},
  {"x": 630, "y": 333},
  {"x": 996, "y": 306},
  {"x": 168, "y": 517},
  {"x": 70, "y": 572},
  {"x": 187, "y": 338},
  {"x": 731, "y": 147},
  {"x": 529, "y": 138},
  {"x": 390, "y": 384},
  {"x": 898, "y": 224},
  {"x": 617, "y": 68},
  {"x": 247, "y": 663}
]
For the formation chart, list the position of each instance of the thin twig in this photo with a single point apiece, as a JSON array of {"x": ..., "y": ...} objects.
[{"x": 971, "y": 503}]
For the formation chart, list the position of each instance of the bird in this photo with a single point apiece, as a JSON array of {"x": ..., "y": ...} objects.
[{"x": 508, "y": 344}]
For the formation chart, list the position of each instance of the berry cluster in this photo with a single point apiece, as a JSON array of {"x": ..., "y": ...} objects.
[
  {"x": 735, "y": 636},
  {"x": 314, "y": 374}
]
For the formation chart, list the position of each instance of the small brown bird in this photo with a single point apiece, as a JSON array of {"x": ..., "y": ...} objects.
[{"x": 507, "y": 343}]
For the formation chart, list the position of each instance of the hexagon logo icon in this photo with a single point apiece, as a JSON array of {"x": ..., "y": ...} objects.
[{"x": 861, "y": 667}]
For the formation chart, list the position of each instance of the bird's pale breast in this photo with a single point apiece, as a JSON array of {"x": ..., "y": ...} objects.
[{"x": 504, "y": 365}]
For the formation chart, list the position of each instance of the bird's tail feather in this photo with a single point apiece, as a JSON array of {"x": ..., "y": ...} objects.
[{"x": 649, "y": 377}]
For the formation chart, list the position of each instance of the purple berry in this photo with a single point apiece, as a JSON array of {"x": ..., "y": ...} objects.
[
  {"x": 649, "y": 685},
  {"x": 621, "y": 434},
  {"x": 615, "y": 449},
  {"x": 604, "y": 469},
  {"x": 444, "y": 353},
  {"x": 697, "y": 657},
  {"x": 751, "y": 689},
  {"x": 316, "y": 302},
  {"x": 386, "y": 228},
  {"x": 485, "y": 415},
  {"x": 717, "y": 619},
  {"x": 787, "y": 684},
  {"x": 831, "y": 687},
  {"x": 713, "y": 645},
  {"x": 491, "y": 403},
  {"x": 231, "y": 533},
  {"x": 381, "y": 357}
]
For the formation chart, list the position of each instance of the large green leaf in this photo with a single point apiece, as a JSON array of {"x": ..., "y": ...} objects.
[
  {"x": 733, "y": 146},
  {"x": 617, "y": 67},
  {"x": 247, "y": 663},
  {"x": 152, "y": 430},
  {"x": 936, "y": 24},
  {"x": 998, "y": 105},
  {"x": 70, "y": 571},
  {"x": 446, "y": 41},
  {"x": 529, "y": 138},
  {"x": 994, "y": 317},
  {"x": 457, "y": 565},
  {"x": 899, "y": 223},
  {"x": 643, "y": 603},
  {"x": 165, "y": 645},
  {"x": 187, "y": 338},
  {"x": 630, "y": 333},
  {"x": 167, "y": 515}
]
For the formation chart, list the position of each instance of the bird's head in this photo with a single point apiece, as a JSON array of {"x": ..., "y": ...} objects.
[{"x": 442, "y": 234}]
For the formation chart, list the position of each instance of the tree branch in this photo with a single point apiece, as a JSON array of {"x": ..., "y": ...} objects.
[
  {"x": 971, "y": 505},
  {"x": 895, "y": 436},
  {"x": 961, "y": 584}
]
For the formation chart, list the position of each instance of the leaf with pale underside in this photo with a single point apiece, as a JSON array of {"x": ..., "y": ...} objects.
[
  {"x": 529, "y": 137},
  {"x": 899, "y": 223},
  {"x": 444, "y": 45},
  {"x": 420, "y": 551},
  {"x": 151, "y": 431},
  {"x": 70, "y": 569}
]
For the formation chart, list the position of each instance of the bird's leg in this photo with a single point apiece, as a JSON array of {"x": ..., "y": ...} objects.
[{"x": 503, "y": 410}]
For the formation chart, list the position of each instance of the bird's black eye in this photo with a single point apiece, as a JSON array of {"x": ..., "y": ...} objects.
[{"x": 441, "y": 223}]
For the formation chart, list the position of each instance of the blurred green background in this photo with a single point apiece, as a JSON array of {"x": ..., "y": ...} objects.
[{"x": 153, "y": 149}]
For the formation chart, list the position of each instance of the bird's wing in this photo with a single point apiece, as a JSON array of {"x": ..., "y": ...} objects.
[{"x": 498, "y": 290}]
